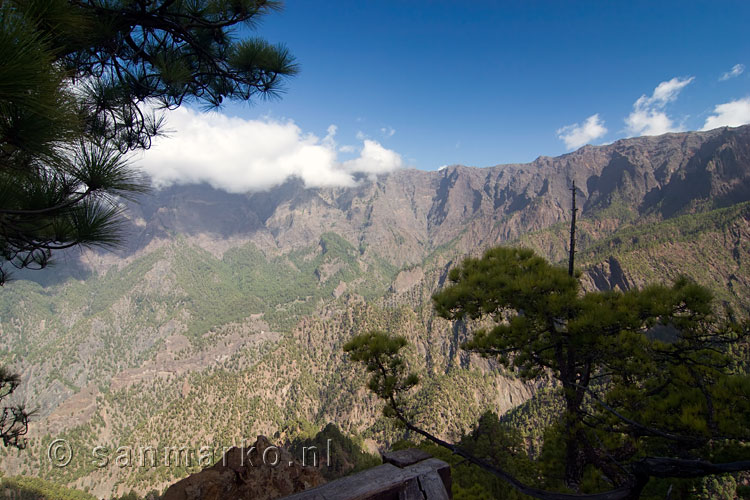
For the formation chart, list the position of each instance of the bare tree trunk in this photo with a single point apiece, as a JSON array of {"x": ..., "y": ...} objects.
[{"x": 573, "y": 210}]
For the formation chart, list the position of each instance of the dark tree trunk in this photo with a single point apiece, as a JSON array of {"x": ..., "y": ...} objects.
[{"x": 573, "y": 210}]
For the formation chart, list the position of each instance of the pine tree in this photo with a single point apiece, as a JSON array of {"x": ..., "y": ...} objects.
[
  {"x": 83, "y": 83},
  {"x": 649, "y": 386}
]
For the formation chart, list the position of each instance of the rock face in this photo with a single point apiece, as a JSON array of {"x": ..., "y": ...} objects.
[
  {"x": 405, "y": 215},
  {"x": 242, "y": 474}
]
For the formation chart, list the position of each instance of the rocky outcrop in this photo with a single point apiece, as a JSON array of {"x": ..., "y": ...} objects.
[
  {"x": 261, "y": 472},
  {"x": 609, "y": 275}
]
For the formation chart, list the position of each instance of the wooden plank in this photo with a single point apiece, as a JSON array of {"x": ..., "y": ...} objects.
[
  {"x": 380, "y": 480},
  {"x": 411, "y": 491},
  {"x": 432, "y": 486},
  {"x": 428, "y": 479},
  {"x": 404, "y": 458},
  {"x": 433, "y": 464}
]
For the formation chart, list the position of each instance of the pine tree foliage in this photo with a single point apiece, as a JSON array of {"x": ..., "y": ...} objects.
[
  {"x": 14, "y": 420},
  {"x": 649, "y": 385},
  {"x": 83, "y": 83},
  {"x": 379, "y": 352},
  {"x": 124, "y": 53}
]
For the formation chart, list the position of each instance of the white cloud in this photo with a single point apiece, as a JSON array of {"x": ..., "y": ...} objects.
[
  {"x": 577, "y": 135},
  {"x": 388, "y": 131},
  {"x": 374, "y": 159},
  {"x": 667, "y": 91},
  {"x": 649, "y": 122},
  {"x": 648, "y": 116},
  {"x": 736, "y": 70},
  {"x": 729, "y": 114},
  {"x": 239, "y": 155}
]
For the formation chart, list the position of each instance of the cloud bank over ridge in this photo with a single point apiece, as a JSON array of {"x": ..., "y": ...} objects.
[
  {"x": 239, "y": 155},
  {"x": 729, "y": 114}
]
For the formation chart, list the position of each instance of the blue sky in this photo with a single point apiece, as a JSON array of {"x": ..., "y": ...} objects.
[{"x": 482, "y": 83}]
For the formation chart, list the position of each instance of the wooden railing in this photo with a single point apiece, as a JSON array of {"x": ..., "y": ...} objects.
[{"x": 405, "y": 475}]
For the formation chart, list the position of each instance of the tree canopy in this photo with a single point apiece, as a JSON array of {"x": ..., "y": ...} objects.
[
  {"x": 649, "y": 385},
  {"x": 83, "y": 83}
]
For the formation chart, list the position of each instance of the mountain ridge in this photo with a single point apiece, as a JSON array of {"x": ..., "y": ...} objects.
[{"x": 239, "y": 304}]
